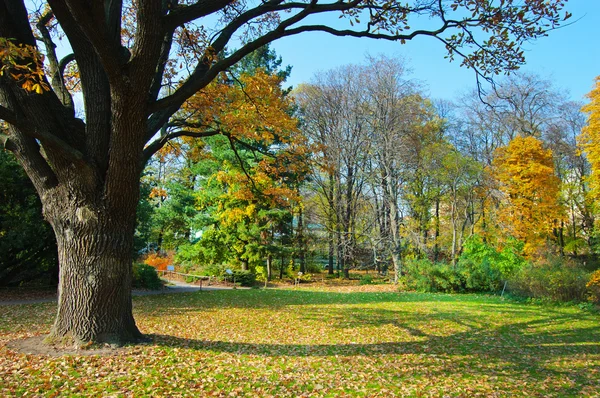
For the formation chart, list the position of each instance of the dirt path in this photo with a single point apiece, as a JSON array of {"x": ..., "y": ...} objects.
[{"x": 174, "y": 287}]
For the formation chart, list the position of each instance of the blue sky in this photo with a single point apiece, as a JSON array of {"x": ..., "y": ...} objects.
[{"x": 569, "y": 56}]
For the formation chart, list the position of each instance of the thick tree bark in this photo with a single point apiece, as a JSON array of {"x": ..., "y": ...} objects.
[{"x": 94, "y": 295}]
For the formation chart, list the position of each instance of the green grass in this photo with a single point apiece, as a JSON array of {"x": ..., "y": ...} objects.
[{"x": 293, "y": 343}]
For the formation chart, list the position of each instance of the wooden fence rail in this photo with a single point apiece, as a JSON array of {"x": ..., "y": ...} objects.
[{"x": 199, "y": 278}]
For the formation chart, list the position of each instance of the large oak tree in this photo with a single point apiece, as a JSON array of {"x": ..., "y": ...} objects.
[{"x": 86, "y": 168}]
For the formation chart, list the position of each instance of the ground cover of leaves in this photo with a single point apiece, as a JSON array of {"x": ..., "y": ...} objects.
[{"x": 298, "y": 342}]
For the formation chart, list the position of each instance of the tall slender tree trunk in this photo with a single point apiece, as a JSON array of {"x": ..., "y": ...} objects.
[
  {"x": 269, "y": 267},
  {"x": 332, "y": 223},
  {"x": 436, "y": 248},
  {"x": 331, "y": 243},
  {"x": 300, "y": 238},
  {"x": 394, "y": 230}
]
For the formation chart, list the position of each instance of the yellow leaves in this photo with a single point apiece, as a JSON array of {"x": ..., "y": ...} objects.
[
  {"x": 24, "y": 64},
  {"x": 530, "y": 210},
  {"x": 252, "y": 108},
  {"x": 172, "y": 150},
  {"x": 160, "y": 193},
  {"x": 590, "y": 139}
]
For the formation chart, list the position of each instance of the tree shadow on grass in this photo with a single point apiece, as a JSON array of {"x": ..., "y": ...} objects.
[
  {"x": 514, "y": 350},
  {"x": 481, "y": 336},
  {"x": 278, "y": 298}
]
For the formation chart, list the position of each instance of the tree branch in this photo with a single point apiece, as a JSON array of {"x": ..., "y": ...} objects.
[
  {"x": 180, "y": 15},
  {"x": 44, "y": 137},
  {"x": 62, "y": 65},
  {"x": 7, "y": 143},
  {"x": 55, "y": 68},
  {"x": 8, "y": 116},
  {"x": 107, "y": 49},
  {"x": 157, "y": 145},
  {"x": 205, "y": 72},
  {"x": 241, "y": 162}
]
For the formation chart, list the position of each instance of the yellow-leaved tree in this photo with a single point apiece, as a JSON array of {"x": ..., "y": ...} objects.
[
  {"x": 530, "y": 209},
  {"x": 590, "y": 140}
]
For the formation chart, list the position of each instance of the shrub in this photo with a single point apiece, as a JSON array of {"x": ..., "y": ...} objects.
[
  {"x": 158, "y": 261},
  {"x": 555, "y": 280},
  {"x": 313, "y": 267},
  {"x": 424, "y": 276},
  {"x": 593, "y": 287},
  {"x": 484, "y": 268},
  {"x": 366, "y": 280},
  {"x": 304, "y": 277},
  {"x": 244, "y": 278},
  {"x": 479, "y": 277},
  {"x": 145, "y": 277}
]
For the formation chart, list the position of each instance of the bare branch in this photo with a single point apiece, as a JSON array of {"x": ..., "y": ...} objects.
[
  {"x": 56, "y": 68},
  {"x": 183, "y": 14},
  {"x": 157, "y": 145},
  {"x": 241, "y": 162},
  {"x": 107, "y": 49}
]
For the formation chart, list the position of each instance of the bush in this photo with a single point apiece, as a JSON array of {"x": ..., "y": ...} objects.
[
  {"x": 479, "y": 277},
  {"x": 555, "y": 280},
  {"x": 158, "y": 261},
  {"x": 593, "y": 287},
  {"x": 313, "y": 267},
  {"x": 304, "y": 278},
  {"x": 145, "y": 277},
  {"x": 424, "y": 276},
  {"x": 484, "y": 268},
  {"x": 366, "y": 280},
  {"x": 244, "y": 278}
]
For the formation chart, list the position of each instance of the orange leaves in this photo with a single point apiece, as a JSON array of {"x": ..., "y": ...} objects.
[
  {"x": 253, "y": 107},
  {"x": 157, "y": 261},
  {"x": 525, "y": 171},
  {"x": 24, "y": 64},
  {"x": 160, "y": 193}
]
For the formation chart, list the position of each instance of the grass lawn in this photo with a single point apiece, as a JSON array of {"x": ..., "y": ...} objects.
[{"x": 290, "y": 343}]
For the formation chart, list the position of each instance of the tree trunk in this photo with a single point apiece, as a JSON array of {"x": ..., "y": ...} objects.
[
  {"x": 269, "y": 266},
  {"x": 300, "y": 237},
  {"x": 436, "y": 248},
  {"x": 94, "y": 292},
  {"x": 331, "y": 242}
]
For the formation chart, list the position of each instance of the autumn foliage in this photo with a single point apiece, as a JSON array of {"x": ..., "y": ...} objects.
[
  {"x": 158, "y": 261},
  {"x": 254, "y": 114},
  {"x": 593, "y": 287},
  {"x": 24, "y": 64},
  {"x": 590, "y": 139},
  {"x": 530, "y": 209}
]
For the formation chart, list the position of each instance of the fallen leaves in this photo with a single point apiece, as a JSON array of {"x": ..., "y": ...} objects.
[{"x": 300, "y": 343}]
